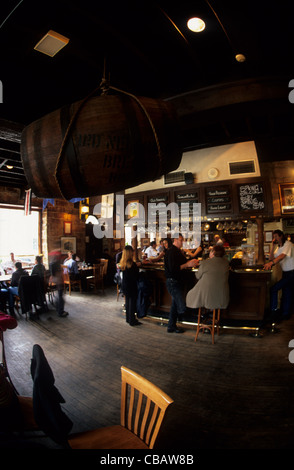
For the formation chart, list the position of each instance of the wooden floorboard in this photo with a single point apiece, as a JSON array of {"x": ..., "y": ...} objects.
[{"x": 235, "y": 394}]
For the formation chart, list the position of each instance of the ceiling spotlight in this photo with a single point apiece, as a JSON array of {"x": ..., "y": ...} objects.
[
  {"x": 9, "y": 167},
  {"x": 240, "y": 57},
  {"x": 196, "y": 25}
]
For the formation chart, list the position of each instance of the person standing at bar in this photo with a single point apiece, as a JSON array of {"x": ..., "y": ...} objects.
[
  {"x": 282, "y": 252},
  {"x": 130, "y": 278},
  {"x": 174, "y": 262}
]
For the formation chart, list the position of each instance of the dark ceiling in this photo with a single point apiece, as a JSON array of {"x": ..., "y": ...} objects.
[{"x": 146, "y": 49}]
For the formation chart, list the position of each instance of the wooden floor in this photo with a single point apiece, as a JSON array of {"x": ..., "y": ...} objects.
[{"x": 235, "y": 394}]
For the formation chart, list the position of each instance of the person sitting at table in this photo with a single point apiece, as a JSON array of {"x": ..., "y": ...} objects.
[
  {"x": 13, "y": 288},
  {"x": 39, "y": 268},
  {"x": 9, "y": 266},
  {"x": 72, "y": 266}
]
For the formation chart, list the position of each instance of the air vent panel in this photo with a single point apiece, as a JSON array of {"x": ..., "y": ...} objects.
[
  {"x": 239, "y": 168},
  {"x": 174, "y": 177}
]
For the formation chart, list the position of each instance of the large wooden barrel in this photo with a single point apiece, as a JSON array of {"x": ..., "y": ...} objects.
[{"x": 101, "y": 145}]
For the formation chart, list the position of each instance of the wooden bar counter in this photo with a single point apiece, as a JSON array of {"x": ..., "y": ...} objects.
[{"x": 249, "y": 293}]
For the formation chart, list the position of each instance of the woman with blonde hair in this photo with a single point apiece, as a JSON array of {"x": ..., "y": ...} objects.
[{"x": 130, "y": 272}]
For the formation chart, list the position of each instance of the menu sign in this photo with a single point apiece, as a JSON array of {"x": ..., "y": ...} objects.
[
  {"x": 187, "y": 199},
  {"x": 157, "y": 205},
  {"x": 251, "y": 197},
  {"x": 218, "y": 199}
]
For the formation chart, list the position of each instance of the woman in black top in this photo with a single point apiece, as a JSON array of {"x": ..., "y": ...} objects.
[{"x": 129, "y": 284}]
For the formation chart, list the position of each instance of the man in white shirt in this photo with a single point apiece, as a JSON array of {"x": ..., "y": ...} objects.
[
  {"x": 282, "y": 252},
  {"x": 72, "y": 266},
  {"x": 151, "y": 250},
  {"x": 9, "y": 265}
]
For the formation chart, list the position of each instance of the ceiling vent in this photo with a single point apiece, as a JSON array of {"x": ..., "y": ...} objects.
[
  {"x": 174, "y": 177},
  {"x": 240, "y": 168},
  {"x": 51, "y": 43}
]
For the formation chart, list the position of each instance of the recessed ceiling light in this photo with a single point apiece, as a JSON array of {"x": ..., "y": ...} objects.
[
  {"x": 240, "y": 57},
  {"x": 196, "y": 25},
  {"x": 51, "y": 43}
]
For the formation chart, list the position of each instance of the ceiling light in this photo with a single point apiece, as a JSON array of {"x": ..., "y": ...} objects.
[
  {"x": 196, "y": 25},
  {"x": 240, "y": 58},
  {"x": 51, "y": 43},
  {"x": 9, "y": 167}
]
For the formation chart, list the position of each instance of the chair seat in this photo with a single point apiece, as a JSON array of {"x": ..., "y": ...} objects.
[
  {"x": 110, "y": 437},
  {"x": 26, "y": 408}
]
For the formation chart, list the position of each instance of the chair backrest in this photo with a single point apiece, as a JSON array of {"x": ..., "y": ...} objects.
[
  {"x": 66, "y": 277},
  {"x": 104, "y": 263},
  {"x": 143, "y": 406},
  {"x": 98, "y": 270},
  {"x": 30, "y": 291}
]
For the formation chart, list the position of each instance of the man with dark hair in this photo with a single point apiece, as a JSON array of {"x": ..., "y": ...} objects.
[
  {"x": 174, "y": 262},
  {"x": 282, "y": 252},
  {"x": 13, "y": 288},
  {"x": 39, "y": 268}
]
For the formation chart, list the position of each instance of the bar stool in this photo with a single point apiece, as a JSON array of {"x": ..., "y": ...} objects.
[{"x": 207, "y": 323}]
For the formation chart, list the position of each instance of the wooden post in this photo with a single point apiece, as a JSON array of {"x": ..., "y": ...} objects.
[
  {"x": 135, "y": 243},
  {"x": 260, "y": 232}
]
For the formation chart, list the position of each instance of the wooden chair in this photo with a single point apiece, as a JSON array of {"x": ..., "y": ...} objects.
[
  {"x": 206, "y": 323},
  {"x": 97, "y": 279},
  {"x": 104, "y": 262},
  {"x": 143, "y": 407},
  {"x": 49, "y": 286},
  {"x": 70, "y": 282}
]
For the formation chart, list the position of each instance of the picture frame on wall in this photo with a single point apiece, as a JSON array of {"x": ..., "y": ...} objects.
[
  {"x": 67, "y": 228},
  {"x": 286, "y": 191},
  {"x": 68, "y": 244},
  {"x": 133, "y": 209},
  {"x": 268, "y": 236}
]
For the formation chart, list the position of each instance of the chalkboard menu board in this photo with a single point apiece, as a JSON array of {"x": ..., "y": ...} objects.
[
  {"x": 187, "y": 198},
  {"x": 251, "y": 197},
  {"x": 157, "y": 205},
  {"x": 218, "y": 199}
]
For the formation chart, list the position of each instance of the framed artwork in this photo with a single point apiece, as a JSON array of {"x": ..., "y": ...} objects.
[
  {"x": 145, "y": 242},
  {"x": 67, "y": 228},
  {"x": 268, "y": 236},
  {"x": 133, "y": 209},
  {"x": 287, "y": 198},
  {"x": 68, "y": 244}
]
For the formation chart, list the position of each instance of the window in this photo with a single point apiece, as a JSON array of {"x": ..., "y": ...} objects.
[{"x": 18, "y": 234}]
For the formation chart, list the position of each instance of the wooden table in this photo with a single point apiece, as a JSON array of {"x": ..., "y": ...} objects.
[
  {"x": 5, "y": 277},
  {"x": 84, "y": 272}
]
